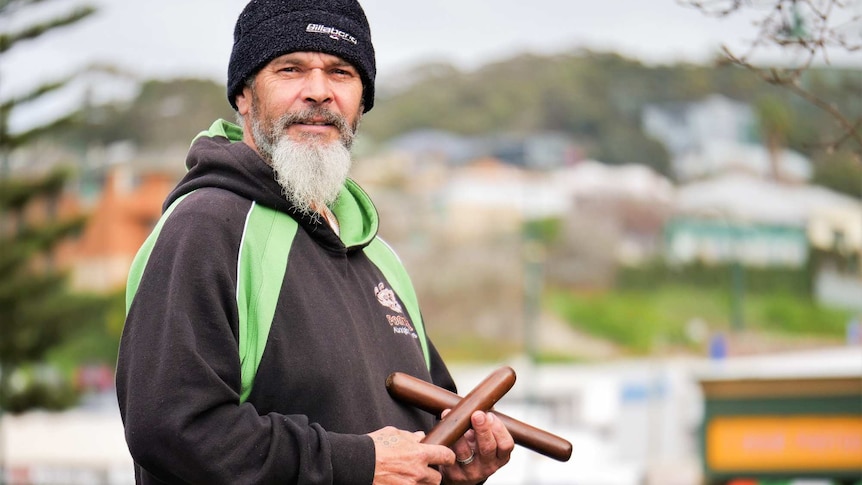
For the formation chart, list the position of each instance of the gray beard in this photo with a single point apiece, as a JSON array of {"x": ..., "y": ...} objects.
[{"x": 311, "y": 173}]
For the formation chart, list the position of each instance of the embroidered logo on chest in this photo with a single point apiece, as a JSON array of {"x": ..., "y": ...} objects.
[
  {"x": 399, "y": 323},
  {"x": 386, "y": 297}
]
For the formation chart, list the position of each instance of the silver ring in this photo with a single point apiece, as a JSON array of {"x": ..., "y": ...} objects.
[{"x": 468, "y": 460}]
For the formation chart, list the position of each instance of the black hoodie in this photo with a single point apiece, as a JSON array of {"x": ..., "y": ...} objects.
[{"x": 196, "y": 406}]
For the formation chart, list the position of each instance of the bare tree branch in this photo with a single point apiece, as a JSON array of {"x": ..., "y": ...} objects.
[{"x": 811, "y": 29}]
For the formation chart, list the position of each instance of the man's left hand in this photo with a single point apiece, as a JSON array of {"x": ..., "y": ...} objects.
[{"x": 480, "y": 452}]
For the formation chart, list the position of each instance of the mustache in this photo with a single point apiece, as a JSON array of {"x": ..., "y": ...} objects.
[{"x": 315, "y": 115}]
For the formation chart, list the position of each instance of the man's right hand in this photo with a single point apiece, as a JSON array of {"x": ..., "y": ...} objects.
[{"x": 400, "y": 458}]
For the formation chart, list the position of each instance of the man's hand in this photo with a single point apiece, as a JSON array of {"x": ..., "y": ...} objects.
[
  {"x": 400, "y": 459},
  {"x": 480, "y": 452}
]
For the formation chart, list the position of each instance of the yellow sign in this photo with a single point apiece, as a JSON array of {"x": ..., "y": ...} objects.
[{"x": 776, "y": 443}]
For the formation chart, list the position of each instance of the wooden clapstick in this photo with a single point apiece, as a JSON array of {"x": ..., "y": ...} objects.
[
  {"x": 481, "y": 398},
  {"x": 433, "y": 399}
]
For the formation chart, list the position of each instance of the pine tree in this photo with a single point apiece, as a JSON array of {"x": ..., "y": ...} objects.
[
  {"x": 10, "y": 40},
  {"x": 38, "y": 311}
]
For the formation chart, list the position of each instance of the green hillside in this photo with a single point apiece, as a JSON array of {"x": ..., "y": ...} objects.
[{"x": 594, "y": 98}]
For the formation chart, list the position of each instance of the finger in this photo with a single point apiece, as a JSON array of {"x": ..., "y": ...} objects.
[
  {"x": 470, "y": 436},
  {"x": 486, "y": 443},
  {"x": 463, "y": 450},
  {"x": 431, "y": 476},
  {"x": 438, "y": 455},
  {"x": 505, "y": 441}
]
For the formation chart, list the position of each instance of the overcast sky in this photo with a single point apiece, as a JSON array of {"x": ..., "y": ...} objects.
[{"x": 175, "y": 38}]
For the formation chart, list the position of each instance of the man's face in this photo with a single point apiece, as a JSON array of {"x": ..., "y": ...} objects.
[
  {"x": 310, "y": 97},
  {"x": 300, "y": 115}
]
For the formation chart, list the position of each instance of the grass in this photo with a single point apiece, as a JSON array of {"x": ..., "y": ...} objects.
[
  {"x": 643, "y": 321},
  {"x": 473, "y": 348}
]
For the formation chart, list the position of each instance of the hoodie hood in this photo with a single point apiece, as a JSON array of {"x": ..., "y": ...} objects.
[{"x": 219, "y": 159}]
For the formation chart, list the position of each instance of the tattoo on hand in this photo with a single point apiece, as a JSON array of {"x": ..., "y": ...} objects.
[{"x": 388, "y": 440}]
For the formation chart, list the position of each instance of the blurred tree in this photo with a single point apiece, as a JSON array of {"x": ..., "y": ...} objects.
[
  {"x": 11, "y": 39},
  {"x": 166, "y": 113},
  {"x": 37, "y": 309},
  {"x": 808, "y": 30},
  {"x": 840, "y": 172},
  {"x": 776, "y": 122}
]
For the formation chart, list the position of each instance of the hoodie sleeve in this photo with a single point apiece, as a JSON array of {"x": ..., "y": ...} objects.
[{"x": 178, "y": 372}]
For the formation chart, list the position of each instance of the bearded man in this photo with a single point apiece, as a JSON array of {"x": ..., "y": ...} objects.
[{"x": 263, "y": 312}]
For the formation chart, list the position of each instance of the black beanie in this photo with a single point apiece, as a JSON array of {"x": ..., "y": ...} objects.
[{"x": 267, "y": 29}]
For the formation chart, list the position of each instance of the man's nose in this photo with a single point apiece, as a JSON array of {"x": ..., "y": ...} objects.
[{"x": 317, "y": 89}]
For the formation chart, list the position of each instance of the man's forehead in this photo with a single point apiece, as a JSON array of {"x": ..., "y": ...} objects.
[{"x": 310, "y": 56}]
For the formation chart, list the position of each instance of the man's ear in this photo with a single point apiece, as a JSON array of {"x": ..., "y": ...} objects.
[{"x": 243, "y": 101}]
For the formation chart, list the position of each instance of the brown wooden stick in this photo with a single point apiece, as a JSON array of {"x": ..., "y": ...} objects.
[
  {"x": 433, "y": 399},
  {"x": 481, "y": 398}
]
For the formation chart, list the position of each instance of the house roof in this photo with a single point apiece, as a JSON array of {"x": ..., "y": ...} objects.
[
  {"x": 718, "y": 156},
  {"x": 746, "y": 198},
  {"x": 632, "y": 181}
]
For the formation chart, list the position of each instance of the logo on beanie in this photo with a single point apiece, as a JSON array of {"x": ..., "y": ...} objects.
[{"x": 332, "y": 32}]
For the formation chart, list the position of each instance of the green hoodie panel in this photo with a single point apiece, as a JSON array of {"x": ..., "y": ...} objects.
[
  {"x": 140, "y": 262},
  {"x": 266, "y": 242}
]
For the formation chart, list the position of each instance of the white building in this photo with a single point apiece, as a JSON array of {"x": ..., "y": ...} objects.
[
  {"x": 739, "y": 217},
  {"x": 688, "y": 127},
  {"x": 717, "y": 135}
]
